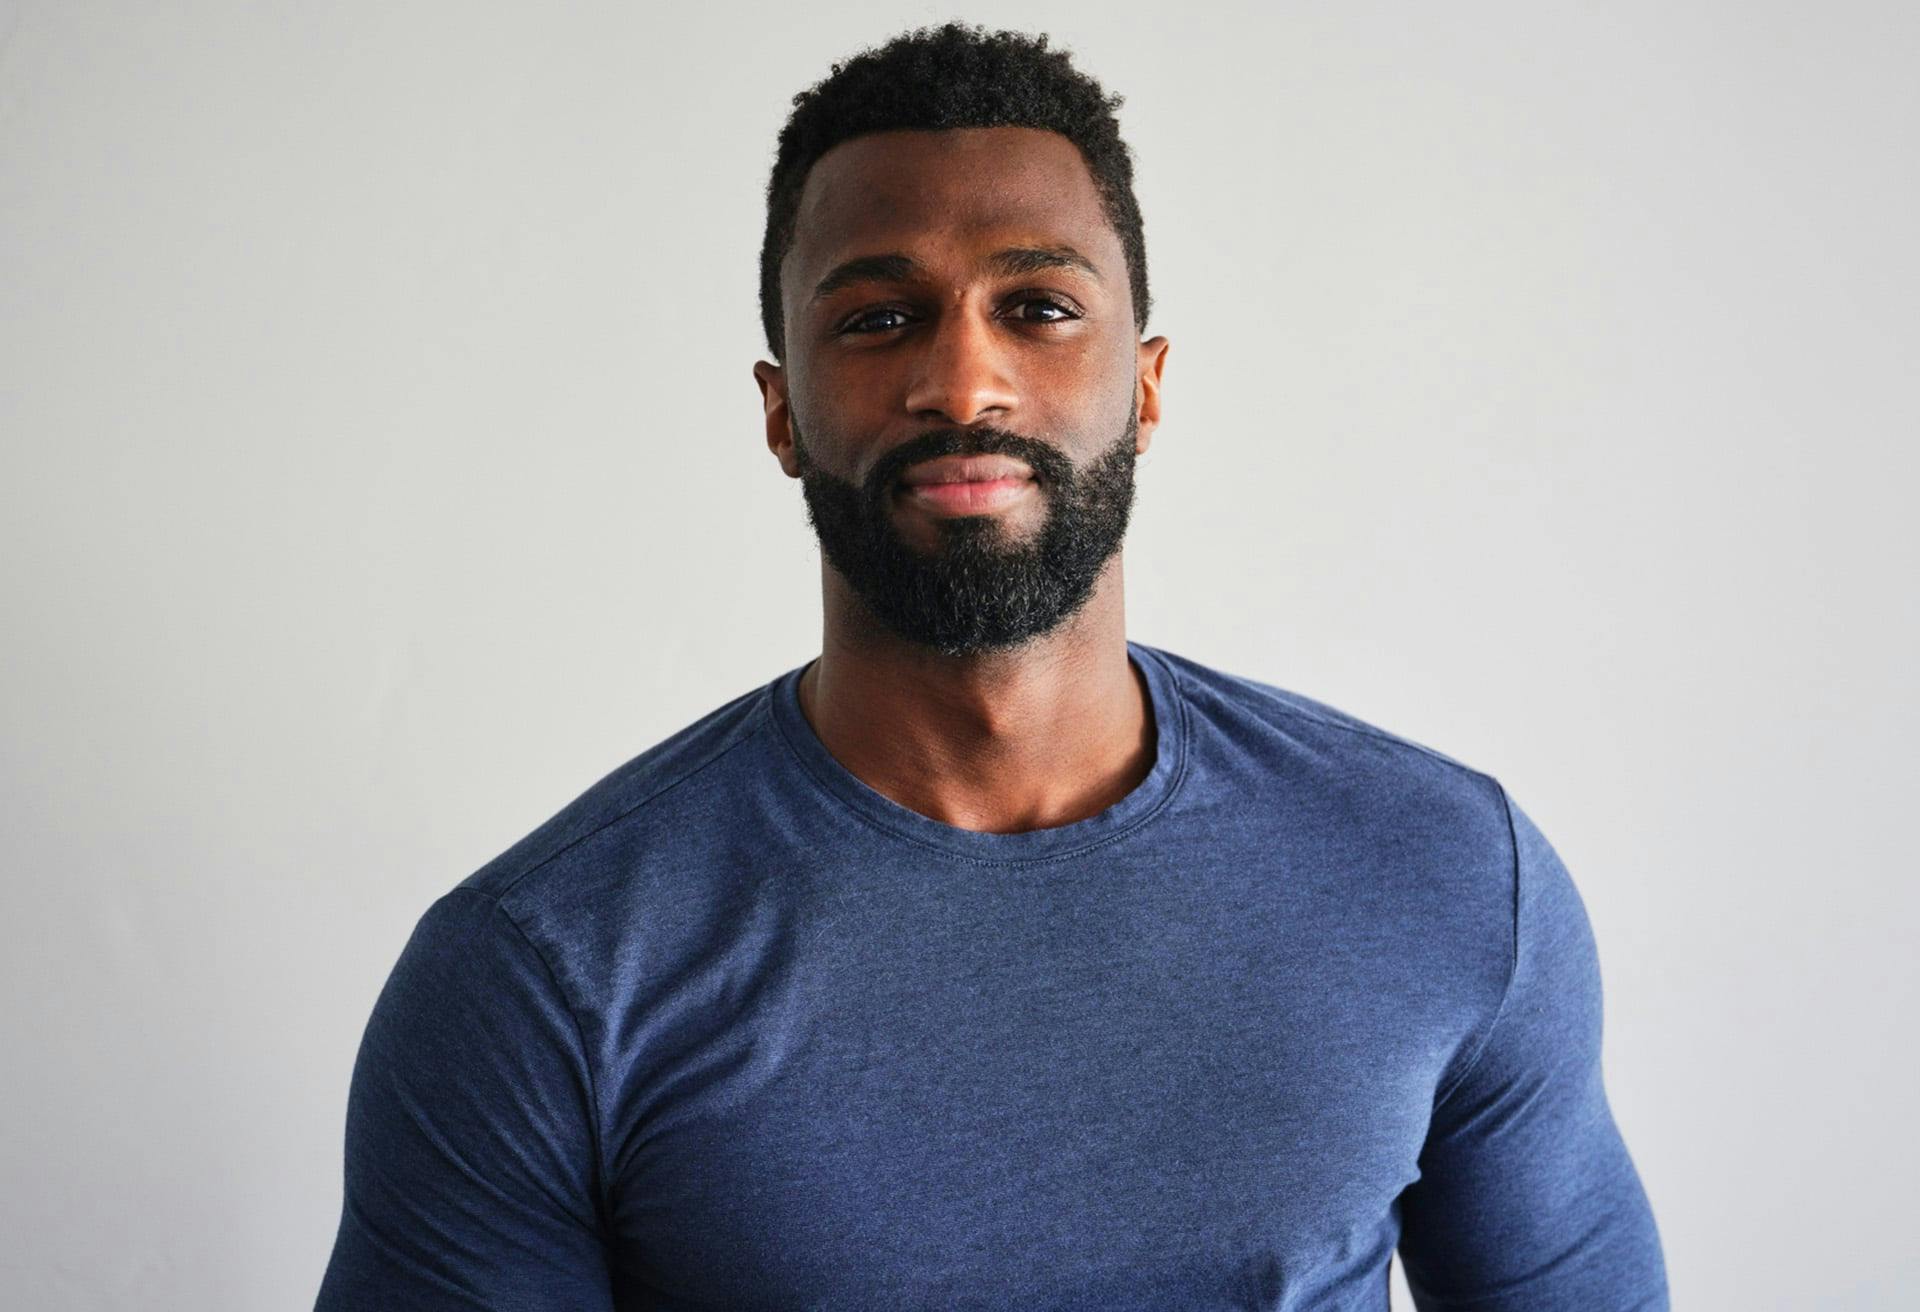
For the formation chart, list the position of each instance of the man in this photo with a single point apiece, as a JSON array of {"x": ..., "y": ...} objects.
[{"x": 990, "y": 959}]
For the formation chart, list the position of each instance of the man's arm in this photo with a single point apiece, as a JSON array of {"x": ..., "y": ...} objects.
[
  {"x": 471, "y": 1177},
  {"x": 1528, "y": 1200}
]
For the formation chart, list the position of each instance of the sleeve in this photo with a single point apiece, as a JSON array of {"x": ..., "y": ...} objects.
[
  {"x": 471, "y": 1152},
  {"x": 1527, "y": 1199}
]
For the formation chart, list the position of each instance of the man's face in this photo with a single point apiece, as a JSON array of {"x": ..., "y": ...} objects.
[{"x": 961, "y": 295}]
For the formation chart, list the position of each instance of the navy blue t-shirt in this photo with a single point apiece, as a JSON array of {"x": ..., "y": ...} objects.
[{"x": 735, "y": 1030}]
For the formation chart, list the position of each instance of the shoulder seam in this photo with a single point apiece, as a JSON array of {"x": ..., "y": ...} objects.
[
  {"x": 1513, "y": 963},
  {"x": 603, "y": 1195},
  {"x": 1378, "y": 735},
  {"x": 1284, "y": 700},
  {"x": 746, "y": 735}
]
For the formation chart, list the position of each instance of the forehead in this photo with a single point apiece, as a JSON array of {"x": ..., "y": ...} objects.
[{"x": 895, "y": 191}]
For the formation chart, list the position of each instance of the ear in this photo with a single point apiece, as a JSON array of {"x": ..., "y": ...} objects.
[
  {"x": 1153, "y": 359},
  {"x": 773, "y": 399}
]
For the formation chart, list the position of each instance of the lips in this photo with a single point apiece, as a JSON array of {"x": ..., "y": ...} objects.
[{"x": 965, "y": 469}]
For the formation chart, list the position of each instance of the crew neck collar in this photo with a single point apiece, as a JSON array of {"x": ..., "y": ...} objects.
[{"x": 1169, "y": 710}]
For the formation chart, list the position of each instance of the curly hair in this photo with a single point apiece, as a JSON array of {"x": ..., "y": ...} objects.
[{"x": 954, "y": 76}]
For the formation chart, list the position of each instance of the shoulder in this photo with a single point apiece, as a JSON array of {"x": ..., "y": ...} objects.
[
  {"x": 654, "y": 788},
  {"x": 1371, "y": 816},
  {"x": 1297, "y": 734},
  {"x": 1385, "y": 838}
]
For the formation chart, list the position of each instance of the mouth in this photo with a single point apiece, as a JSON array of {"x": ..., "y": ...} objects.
[
  {"x": 969, "y": 485},
  {"x": 965, "y": 469}
]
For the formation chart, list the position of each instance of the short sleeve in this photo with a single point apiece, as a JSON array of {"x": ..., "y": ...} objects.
[
  {"x": 1528, "y": 1200},
  {"x": 471, "y": 1177}
]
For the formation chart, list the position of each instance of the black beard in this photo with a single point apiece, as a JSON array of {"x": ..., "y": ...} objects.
[{"x": 974, "y": 593}]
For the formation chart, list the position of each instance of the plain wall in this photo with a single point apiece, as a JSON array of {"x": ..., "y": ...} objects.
[{"x": 382, "y": 466}]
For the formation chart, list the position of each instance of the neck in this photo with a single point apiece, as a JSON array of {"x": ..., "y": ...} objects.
[{"x": 1052, "y": 732}]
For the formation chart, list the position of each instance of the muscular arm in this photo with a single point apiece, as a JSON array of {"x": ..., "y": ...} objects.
[
  {"x": 470, "y": 1154},
  {"x": 1528, "y": 1200}
]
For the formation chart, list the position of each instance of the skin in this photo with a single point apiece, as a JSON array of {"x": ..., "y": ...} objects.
[{"x": 1058, "y": 728}]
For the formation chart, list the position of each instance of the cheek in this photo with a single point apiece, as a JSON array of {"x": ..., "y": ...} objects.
[
  {"x": 1091, "y": 382},
  {"x": 849, "y": 390},
  {"x": 1112, "y": 386}
]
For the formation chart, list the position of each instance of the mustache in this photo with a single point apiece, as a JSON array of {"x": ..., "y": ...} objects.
[{"x": 1048, "y": 465}]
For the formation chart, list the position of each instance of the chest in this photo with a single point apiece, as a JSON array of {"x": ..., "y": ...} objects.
[{"x": 1090, "y": 1096}]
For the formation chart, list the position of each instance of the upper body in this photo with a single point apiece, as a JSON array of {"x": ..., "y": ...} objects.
[
  {"x": 734, "y": 1030},
  {"x": 991, "y": 959}
]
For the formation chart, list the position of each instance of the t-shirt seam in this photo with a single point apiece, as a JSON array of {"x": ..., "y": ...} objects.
[
  {"x": 603, "y": 1193},
  {"x": 1376, "y": 735},
  {"x": 861, "y": 815},
  {"x": 746, "y": 735},
  {"x": 1513, "y": 963}
]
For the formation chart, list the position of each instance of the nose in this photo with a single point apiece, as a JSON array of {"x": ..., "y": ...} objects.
[{"x": 961, "y": 374}]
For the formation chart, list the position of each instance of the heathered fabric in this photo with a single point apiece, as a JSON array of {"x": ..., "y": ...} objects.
[{"x": 734, "y": 1030}]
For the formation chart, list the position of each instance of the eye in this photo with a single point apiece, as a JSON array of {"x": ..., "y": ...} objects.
[
  {"x": 863, "y": 322},
  {"x": 1061, "y": 311}
]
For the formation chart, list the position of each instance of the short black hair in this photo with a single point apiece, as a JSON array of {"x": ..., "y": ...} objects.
[{"x": 954, "y": 76}]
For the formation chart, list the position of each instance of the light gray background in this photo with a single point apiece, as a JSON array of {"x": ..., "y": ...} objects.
[{"x": 382, "y": 466}]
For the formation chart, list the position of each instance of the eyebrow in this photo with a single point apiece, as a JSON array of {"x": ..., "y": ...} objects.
[{"x": 1015, "y": 260}]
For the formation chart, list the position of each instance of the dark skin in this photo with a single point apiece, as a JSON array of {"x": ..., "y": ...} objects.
[{"x": 1059, "y": 728}]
